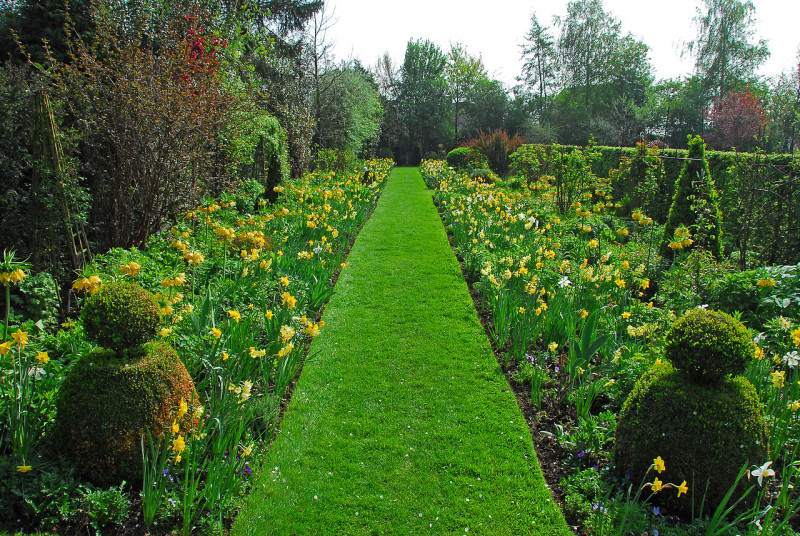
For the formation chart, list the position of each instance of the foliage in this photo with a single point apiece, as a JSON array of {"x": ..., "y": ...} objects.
[
  {"x": 724, "y": 54},
  {"x": 466, "y": 159},
  {"x": 695, "y": 206},
  {"x": 157, "y": 111},
  {"x": 106, "y": 405},
  {"x": 422, "y": 98},
  {"x": 349, "y": 110},
  {"x": 709, "y": 346},
  {"x": 120, "y": 316},
  {"x": 738, "y": 120},
  {"x": 496, "y": 146},
  {"x": 664, "y": 416}
]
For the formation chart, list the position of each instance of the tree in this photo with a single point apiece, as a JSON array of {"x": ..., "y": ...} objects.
[
  {"x": 488, "y": 108},
  {"x": 463, "y": 72},
  {"x": 350, "y": 112},
  {"x": 695, "y": 207},
  {"x": 540, "y": 63},
  {"x": 604, "y": 76},
  {"x": 737, "y": 121},
  {"x": 784, "y": 111},
  {"x": 423, "y": 98},
  {"x": 724, "y": 56}
]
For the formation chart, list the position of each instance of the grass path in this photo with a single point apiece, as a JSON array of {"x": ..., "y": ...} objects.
[{"x": 402, "y": 422}]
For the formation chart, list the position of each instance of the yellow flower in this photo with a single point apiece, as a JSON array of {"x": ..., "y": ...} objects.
[
  {"x": 553, "y": 346},
  {"x": 194, "y": 258},
  {"x": 593, "y": 243},
  {"x": 130, "y": 269},
  {"x": 198, "y": 412},
  {"x": 644, "y": 284},
  {"x": 778, "y": 378},
  {"x": 216, "y": 333},
  {"x": 23, "y": 468},
  {"x": 584, "y": 313},
  {"x": 183, "y": 408},
  {"x": 16, "y": 276},
  {"x": 620, "y": 282},
  {"x": 225, "y": 356},
  {"x": 657, "y": 485},
  {"x": 285, "y": 281},
  {"x": 288, "y": 300},
  {"x": 5, "y": 348},
  {"x": 794, "y": 406},
  {"x": 759, "y": 353},
  {"x": 269, "y": 315},
  {"x": 175, "y": 428},
  {"x": 257, "y": 353},
  {"x": 312, "y": 330},
  {"x": 165, "y": 332},
  {"x": 683, "y": 488},
  {"x": 236, "y": 315},
  {"x": 178, "y": 444},
  {"x": 796, "y": 337},
  {"x": 42, "y": 358},
  {"x": 658, "y": 464},
  {"x": 626, "y": 315},
  {"x": 248, "y": 450},
  {"x": 20, "y": 337},
  {"x": 286, "y": 333},
  {"x": 766, "y": 283}
]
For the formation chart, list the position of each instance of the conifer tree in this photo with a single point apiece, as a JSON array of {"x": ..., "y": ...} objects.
[{"x": 695, "y": 207}]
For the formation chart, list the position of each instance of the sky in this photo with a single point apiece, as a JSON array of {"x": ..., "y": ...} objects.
[{"x": 495, "y": 30}]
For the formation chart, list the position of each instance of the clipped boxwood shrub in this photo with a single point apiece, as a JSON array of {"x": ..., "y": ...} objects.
[
  {"x": 105, "y": 406},
  {"x": 483, "y": 175},
  {"x": 703, "y": 432},
  {"x": 466, "y": 158},
  {"x": 120, "y": 315},
  {"x": 709, "y": 345}
]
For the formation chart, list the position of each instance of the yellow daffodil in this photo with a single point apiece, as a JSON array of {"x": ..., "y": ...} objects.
[
  {"x": 657, "y": 485},
  {"x": 247, "y": 450},
  {"x": 178, "y": 444},
  {"x": 286, "y": 333},
  {"x": 5, "y": 348},
  {"x": 553, "y": 346},
  {"x": 626, "y": 315},
  {"x": 216, "y": 333},
  {"x": 42, "y": 358},
  {"x": 235, "y": 315},
  {"x": 183, "y": 408},
  {"x": 20, "y": 338},
  {"x": 683, "y": 488},
  {"x": 778, "y": 378},
  {"x": 658, "y": 464},
  {"x": 175, "y": 428},
  {"x": 23, "y": 468},
  {"x": 165, "y": 332}
]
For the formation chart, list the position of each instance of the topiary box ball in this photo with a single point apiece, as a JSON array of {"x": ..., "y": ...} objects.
[
  {"x": 709, "y": 346},
  {"x": 105, "y": 407},
  {"x": 704, "y": 433},
  {"x": 120, "y": 315}
]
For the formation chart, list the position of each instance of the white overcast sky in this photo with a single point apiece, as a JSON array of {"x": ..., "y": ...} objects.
[{"x": 495, "y": 29}]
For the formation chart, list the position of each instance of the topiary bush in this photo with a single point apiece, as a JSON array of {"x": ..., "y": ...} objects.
[
  {"x": 709, "y": 345},
  {"x": 703, "y": 432},
  {"x": 120, "y": 315},
  {"x": 105, "y": 405},
  {"x": 466, "y": 159}
]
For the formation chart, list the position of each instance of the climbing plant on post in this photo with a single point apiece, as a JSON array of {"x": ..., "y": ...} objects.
[{"x": 695, "y": 207}]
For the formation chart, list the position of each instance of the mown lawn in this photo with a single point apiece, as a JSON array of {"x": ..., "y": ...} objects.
[{"x": 402, "y": 422}]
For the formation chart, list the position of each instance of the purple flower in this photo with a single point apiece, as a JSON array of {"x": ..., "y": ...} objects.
[
  {"x": 580, "y": 454},
  {"x": 657, "y": 510}
]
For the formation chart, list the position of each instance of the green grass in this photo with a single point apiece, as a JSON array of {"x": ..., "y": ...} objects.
[{"x": 402, "y": 422}]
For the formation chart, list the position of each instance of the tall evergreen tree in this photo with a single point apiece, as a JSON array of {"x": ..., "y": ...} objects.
[{"x": 695, "y": 206}]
